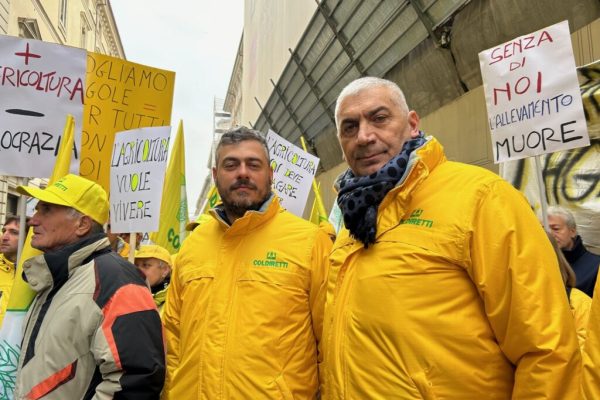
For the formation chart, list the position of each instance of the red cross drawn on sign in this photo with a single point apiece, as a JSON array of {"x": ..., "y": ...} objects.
[{"x": 27, "y": 54}]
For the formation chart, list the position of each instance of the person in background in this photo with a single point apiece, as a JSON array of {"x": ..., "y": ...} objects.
[
  {"x": 580, "y": 302},
  {"x": 92, "y": 330},
  {"x": 155, "y": 262},
  {"x": 9, "y": 243},
  {"x": 202, "y": 218},
  {"x": 585, "y": 264},
  {"x": 117, "y": 244},
  {"x": 442, "y": 284}
]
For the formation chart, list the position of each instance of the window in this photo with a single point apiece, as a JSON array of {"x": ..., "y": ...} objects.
[
  {"x": 12, "y": 202},
  {"x": 62, "y": 13},
  {"x": 85, "y": 29},
  {"x": 28, "y": 28}
]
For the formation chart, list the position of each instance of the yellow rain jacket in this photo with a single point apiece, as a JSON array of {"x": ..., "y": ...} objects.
[
  {"x": 581, "y": 304},
  {"x": 244, "y": 309},
  {"x": 455, "y": 300},
  {"x": 7, "y": 277},
  {"x": 591, "y": 351}
]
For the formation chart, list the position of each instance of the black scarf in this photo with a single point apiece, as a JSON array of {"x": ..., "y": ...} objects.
[{"x": 359, "y": 196}]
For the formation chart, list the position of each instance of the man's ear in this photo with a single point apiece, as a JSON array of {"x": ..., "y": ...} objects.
[
  {"x": 413, "y": 123},
  {"x": 84, "y": 226}
]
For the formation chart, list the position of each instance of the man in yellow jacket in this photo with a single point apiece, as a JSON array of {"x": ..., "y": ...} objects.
[
  {"x": 443, "y": 283},
  {"x": 9, "y": 242},
  {"x": 244, "y": 310}
]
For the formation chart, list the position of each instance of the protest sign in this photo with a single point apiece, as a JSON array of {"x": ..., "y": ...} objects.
[
  {"x": 293, "y": 172},
  {"x": 532, "y": 95},
  {"x": 119, "y": 96},
  {"x": 137, "y": 172},
  {"x": 40, "y": 84}
]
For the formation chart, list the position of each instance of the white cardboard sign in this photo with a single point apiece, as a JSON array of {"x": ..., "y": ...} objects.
[
  {"x": 40, "y": 84},
  {"x": 137, "y": 174},
  {"x": 532, "y": 95},
  {"x": 293, "y": 172}
]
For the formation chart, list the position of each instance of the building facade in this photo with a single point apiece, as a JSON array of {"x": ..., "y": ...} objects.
[
  {"x": 87, "y": 24},
  {"x": 430, "y": 48}
]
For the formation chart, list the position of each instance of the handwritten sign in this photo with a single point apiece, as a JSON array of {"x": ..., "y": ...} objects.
[
  {"x": 293, "y": 172},
  {"x": 532, "y": 95},
  {"x": 137, "y": 173},
  {"x": 40, "y": 84},
  {"x": 119, "y": 96}
]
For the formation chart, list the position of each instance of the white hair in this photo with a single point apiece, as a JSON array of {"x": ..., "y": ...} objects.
[
  {"x": 558, "y": 211},
  {"x": 369, "y": 82}
]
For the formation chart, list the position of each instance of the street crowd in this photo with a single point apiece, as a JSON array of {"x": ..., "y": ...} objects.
[{"x": 443, "y": 284}]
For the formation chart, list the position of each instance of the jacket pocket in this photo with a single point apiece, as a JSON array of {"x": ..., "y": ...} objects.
[
  {"x": 286, "y": 394},
  {"x": 423, "y": 385},
  {"x": 298, "y": 280},
  {"x": 197, "y": 272}
]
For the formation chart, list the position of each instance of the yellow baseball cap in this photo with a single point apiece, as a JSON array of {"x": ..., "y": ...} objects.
[
  {"x": 154, "y": 251},
  {"x": 85, "y": 196}
]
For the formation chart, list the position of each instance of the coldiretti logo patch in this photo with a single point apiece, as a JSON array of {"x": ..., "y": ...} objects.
[
  {"x": 415, "y": 219},
  {"x": 270, "y": 261}
]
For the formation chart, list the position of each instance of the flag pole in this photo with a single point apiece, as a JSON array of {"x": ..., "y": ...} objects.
[{"x": 22, "y": 211}]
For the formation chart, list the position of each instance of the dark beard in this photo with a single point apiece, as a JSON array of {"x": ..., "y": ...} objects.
[{"x": 238, "y": 209}]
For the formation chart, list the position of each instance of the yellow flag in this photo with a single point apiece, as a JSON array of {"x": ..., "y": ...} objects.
[
  {"x": 320, "y": 214},
  {"x": 21, "y": 295},
  {"x": 173, "y": 209},
  {"x": 213, "y": 199},
  {"x": 316, "y": 215}
]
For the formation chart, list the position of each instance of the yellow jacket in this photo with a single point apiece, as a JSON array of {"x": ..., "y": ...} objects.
[
  {"x": 7, "y": 277},
  {"x": 455, "y": 300},
  {"x": 580, "y": 307},
  {"x": 591, "y": 351},
  {"x": 244, "y": 309}
]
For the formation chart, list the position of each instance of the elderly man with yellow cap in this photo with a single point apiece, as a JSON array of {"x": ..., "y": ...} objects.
[
  {"x": 154, "y": 262},
  {"x": 93, "y": 330}
]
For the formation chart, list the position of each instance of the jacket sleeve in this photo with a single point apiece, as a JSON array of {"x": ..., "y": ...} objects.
[
  {"x": 318, "y": 290},
  {"x": 170, "y": 316},
  {"x": 516, "y": 273},
  {"x": 128, "y": 346},
  {"x": 591, "y": 351}
]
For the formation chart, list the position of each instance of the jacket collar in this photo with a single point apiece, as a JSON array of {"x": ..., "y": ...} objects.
[
  {"x": 577, "y": 251},
  {"x": 5, "y": 264},
  {"x": 52, "y": 269},
  {"x": 251, "y": 220},
  {"x": 422, "y": 162}
]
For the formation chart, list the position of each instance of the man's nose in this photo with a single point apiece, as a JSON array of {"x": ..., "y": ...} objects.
[
  {"x": 365, "y": 133},
  {"x": 243, "y": 171},
  {"x": 33, "y": 221}
]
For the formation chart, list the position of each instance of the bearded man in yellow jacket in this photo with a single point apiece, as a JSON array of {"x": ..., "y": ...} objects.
[
  {"x": 9, "y": 243},
  {"x": 244, "y": 310},
  {"x": 443, "y": 283}
]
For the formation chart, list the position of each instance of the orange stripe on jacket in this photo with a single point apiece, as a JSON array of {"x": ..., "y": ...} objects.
[
  {"x": 128, "y": 299},
  {"x": 52, "y": 382}
]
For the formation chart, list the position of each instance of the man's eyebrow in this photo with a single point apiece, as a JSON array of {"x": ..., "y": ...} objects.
[
  {"x": 369, "y": 114},
  {"x": 377, "y": 110},
  {"x": 246, "y": 159}
]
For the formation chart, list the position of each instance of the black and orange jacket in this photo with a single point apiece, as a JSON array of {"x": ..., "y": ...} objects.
[{"x": 93, "y": 330}]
